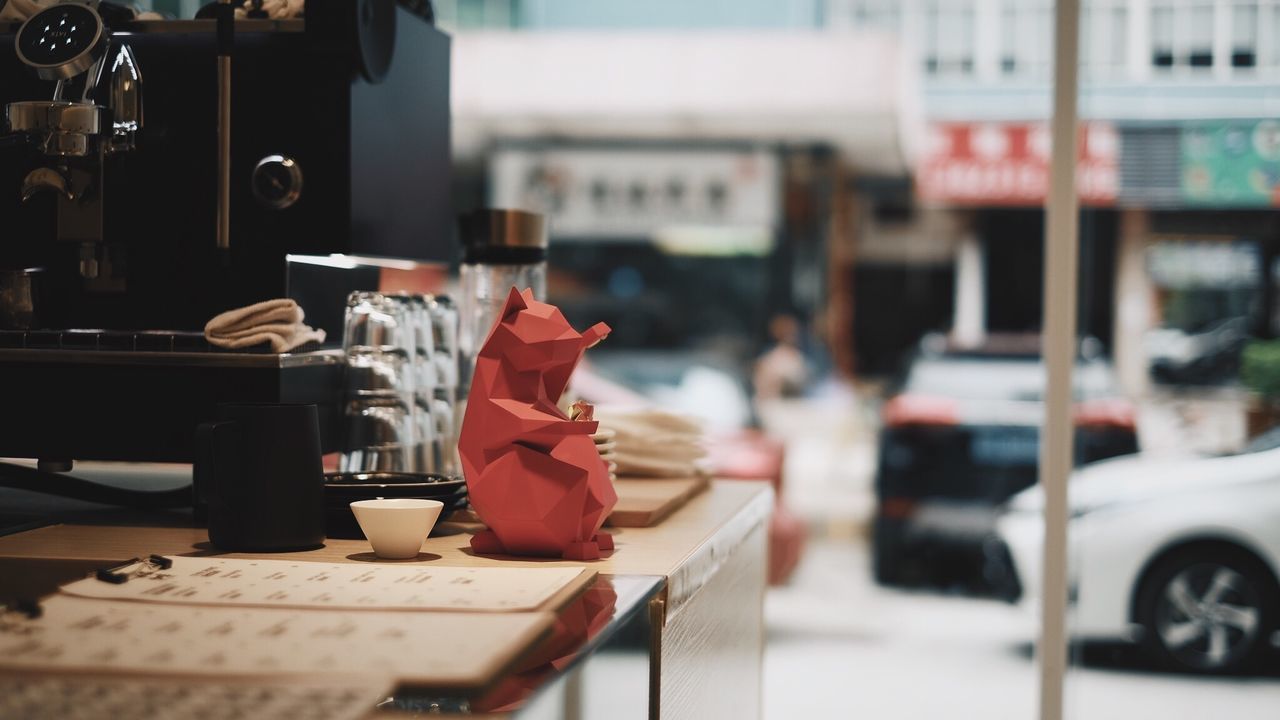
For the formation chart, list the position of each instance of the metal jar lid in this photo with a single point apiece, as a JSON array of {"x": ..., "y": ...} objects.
[{"x": 501, "y": 236}]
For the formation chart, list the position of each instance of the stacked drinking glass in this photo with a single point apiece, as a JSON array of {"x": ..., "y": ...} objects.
[
  {"x": 381, "y": 345},
  {"x": 402, "y": 383},
  {"x": 444, "y": 406}
]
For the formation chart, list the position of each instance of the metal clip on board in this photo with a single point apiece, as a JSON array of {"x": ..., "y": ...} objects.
[{"x": 115, "y": 577}]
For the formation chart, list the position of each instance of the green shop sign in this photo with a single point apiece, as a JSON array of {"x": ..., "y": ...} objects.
[{"x": 1231, "y": 163}]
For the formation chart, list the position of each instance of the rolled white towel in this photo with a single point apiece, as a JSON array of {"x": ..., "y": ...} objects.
[
  {"x": 278, "y": 322},
  {"x": 274, "y": 9}
]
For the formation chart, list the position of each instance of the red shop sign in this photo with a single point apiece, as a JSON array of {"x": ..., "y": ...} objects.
[{"x": 1008, "y": 164}]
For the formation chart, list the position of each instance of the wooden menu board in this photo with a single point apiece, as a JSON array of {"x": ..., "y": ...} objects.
[{"x": 451, "y": 650}]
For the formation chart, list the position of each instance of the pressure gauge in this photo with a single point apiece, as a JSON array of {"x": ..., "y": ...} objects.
[{"x": 277, "y": 181}]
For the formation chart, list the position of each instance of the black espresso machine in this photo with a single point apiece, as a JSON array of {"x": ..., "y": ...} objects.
[{"x": 154, "y": 173}]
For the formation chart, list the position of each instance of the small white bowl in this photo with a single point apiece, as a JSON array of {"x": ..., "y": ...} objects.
[{"x": 396, "y": 527}]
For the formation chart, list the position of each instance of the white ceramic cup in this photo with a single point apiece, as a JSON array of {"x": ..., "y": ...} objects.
[{"x": 396, "y": 527}]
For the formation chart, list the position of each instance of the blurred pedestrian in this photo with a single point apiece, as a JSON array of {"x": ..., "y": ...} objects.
[{"x": 782, "y": 371}]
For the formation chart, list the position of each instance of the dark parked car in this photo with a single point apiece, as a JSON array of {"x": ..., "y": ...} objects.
[
  {"x": 960, "y": 436},
  {"x": 1210, "y": 355}
]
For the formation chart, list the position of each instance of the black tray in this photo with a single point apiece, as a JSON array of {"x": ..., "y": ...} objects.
[{"x": 340, "y": 522}]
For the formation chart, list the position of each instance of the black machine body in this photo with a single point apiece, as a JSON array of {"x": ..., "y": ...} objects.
[{"x": 109, "y": 212}]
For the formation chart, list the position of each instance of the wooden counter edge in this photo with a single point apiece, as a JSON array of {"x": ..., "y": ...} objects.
[{"x": 682, "y": 549}]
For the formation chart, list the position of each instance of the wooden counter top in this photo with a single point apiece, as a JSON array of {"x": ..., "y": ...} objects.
[
  {"x": 684, "y": 548},
  {"x": 706, "y": 633}
]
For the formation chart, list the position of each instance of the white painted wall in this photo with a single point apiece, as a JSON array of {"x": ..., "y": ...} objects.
[{"x": 850, "y": 90}]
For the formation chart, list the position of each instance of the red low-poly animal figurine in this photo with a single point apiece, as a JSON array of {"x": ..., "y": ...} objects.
[{"x": 534, "y": 476}]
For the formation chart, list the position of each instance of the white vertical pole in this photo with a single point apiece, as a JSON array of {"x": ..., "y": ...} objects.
[
  {"x": 969, "y": 324},
  {"x": 1060, "y": 283},
  {"x": 1133, "y": 311}
]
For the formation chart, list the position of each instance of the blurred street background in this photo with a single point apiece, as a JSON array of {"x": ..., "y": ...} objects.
[
  {"x": 839, "y": 645},
  {"x": 818, "y": 226}
]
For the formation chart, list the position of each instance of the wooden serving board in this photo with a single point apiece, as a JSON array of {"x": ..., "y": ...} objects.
[
  {"x": 446, "y": 650},
  {"x": 647, "y": 502}
]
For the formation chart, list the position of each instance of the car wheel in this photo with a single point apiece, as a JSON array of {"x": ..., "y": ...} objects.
[{"x": 1208, "y": 610}]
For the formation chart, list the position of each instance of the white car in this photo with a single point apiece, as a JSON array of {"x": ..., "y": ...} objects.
[{"x": 1180, "y": 555}]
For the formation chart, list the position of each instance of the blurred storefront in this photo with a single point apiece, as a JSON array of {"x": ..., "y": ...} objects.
[
  {"x": 966, "y": 242},
  {"x": 973, "y": 234},
  {"x": 906, "y": 147},
  {"x": 697, "y": 180},
  {"x": 1179, "y": 162},
  {"x": 853, "y": 155},
  {"x": 1201, "y": 195}
]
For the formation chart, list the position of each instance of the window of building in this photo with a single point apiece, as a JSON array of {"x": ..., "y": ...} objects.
[
  {"x": 876, "y": 14},
  {"x": 1244, "y": 35},
  {"x": 1255, "y": 36},
  {"x": 1269, "y": 29},
  {"x": 1008, "y": 40},
  {"x": 949, "y": 38},
  {"x": 1182, "y": 34},
  {"x": 1104, "y": 38},
  {"x": 1240, "y": 36},
  {"x": 1162, "y": 37},
  {"x": 1025, "y": 38},
  {"x": 1199, "y": 33}
]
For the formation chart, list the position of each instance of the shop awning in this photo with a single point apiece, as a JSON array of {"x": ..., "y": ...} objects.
[{"x": 852, "y": 91}]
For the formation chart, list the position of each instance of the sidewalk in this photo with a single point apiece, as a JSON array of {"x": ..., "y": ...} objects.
[
  {"x": 831, "y": 456},
  {"x": 1178, "y": 420}
]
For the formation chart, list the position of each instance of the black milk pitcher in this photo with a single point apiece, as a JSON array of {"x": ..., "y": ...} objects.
[{"x": 258, "y": 471}]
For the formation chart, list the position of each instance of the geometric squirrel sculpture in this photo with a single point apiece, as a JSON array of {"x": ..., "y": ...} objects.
[{"x": 533, "y": 476}]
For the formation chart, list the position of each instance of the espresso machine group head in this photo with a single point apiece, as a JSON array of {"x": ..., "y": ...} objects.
[
  {"x": 96, "y": 109},
  {"x": 120, "y": 239}
]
